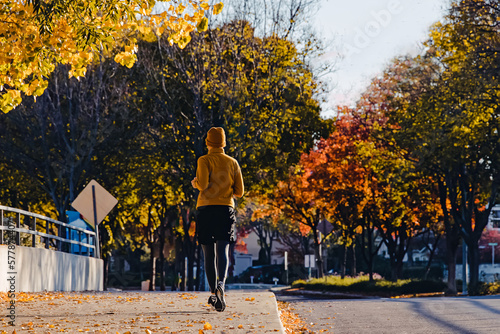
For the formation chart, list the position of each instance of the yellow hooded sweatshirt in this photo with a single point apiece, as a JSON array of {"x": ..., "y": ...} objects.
[{"x": 218, "y": 178}]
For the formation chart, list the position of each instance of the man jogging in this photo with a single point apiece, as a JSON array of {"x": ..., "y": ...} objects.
[{"x": 218, "y": 178}]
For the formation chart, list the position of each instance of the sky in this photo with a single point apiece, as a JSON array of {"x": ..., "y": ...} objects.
[{"x": 368, "y": 34}]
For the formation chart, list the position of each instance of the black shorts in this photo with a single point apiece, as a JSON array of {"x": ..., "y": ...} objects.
[{"x": 216, "y": 222}]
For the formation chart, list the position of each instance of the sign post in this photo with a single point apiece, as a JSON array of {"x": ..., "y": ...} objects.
[
  {"x": 97, "y": 249},
  {"x": 286, "y": 267},
  {"x": 94, "y": 203},
  {"x": 493, "y": 244},
  {"x": 309, "y": 262}
]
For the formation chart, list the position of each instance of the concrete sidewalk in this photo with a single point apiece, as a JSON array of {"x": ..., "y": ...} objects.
[{"x": 143, "y": 312}]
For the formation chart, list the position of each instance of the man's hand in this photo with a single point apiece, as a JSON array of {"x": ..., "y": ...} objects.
[{"x": 193, "y": 182}]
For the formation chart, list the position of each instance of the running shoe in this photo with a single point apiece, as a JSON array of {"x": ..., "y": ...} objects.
[
  {"x": 220, "y": 303},
  {"x": 211, "y": 300}
]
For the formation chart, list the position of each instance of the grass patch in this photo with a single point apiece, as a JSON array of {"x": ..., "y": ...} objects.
[{"x": 362, "y": 285}]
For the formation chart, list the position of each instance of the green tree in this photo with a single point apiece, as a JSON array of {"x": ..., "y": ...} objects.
[
  {"x": 17, "y": 191},
  {"x": 452, "y": 124},
  {"x": 398, "y": 98},
  {"x": 258, "y": 89},
  {"x": 467, "y": 44}
]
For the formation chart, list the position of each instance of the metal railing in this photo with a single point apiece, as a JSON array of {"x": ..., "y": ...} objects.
[{"x": 16, "y": 223}]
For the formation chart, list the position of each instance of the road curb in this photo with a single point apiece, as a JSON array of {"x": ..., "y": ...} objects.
[
  {"x": 279, "y": 315},
  {"x": 321, "y": 294}
]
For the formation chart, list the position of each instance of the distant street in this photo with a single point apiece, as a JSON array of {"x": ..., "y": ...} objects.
[{"x": 399, "y": 316}]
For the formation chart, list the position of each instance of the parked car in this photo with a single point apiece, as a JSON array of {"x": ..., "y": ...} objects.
[{"x": 263, "y": 274}]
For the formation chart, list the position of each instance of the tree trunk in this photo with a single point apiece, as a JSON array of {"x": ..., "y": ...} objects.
[
  {"x": 161, "y": 270},
  {"x": 368, "y": 249},
  {"x": 452, "y": 239},
  {"x": 353, "y": 260},
  {"x": 105, "y": 259},
  {"x": 474, "y": 267},
  {"x": 161, "y": 263},
  {"x": 370, "y": 269},
  {"x": 399, "y": 270},
  {"x": 431, "y": 257},
  {"x": 152, "y": 271},
  {"x": 343, "y": 262},
  {"x": 369, "y": 258},
  {"x": 471, "y": 219},
  {"x": 188, "y": 250},
  {"x": 394, "y": 269},
  {"x": 451, "y": 259},
  {"x": 404, "y": 243},
  {"x": 397, "y": 243},
  {"x": 200, "y": 286},
  {"x": 179, "y": 259},
  {"x": 391, "y": 249},
  {"x": 317, "y": 251},
  {"x": 269, "y": 249}
]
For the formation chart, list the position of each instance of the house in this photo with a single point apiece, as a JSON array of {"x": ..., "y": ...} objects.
[
  {"x": 76, "y": 220},
  {"x": 494, "y": 221},
  {"x": 241, "y": 262},
  {"x": 421, "y": 255},
  {"x": 253, "y": 248},
  {"x": 417, "y": 255}
]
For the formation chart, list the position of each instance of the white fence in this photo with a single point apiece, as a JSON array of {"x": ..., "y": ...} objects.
[
  {"x": 487, "y": 272},
  {"x": 34, "y": 255},
  {"x": 39, "y": 269}
]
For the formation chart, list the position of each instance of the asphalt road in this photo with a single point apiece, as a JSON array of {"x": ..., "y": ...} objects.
[{"x": 401, "y": 316}]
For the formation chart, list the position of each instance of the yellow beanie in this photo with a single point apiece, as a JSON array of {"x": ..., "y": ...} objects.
[{"x": 216, "y": 138}]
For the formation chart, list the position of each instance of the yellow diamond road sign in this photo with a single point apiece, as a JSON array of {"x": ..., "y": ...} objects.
[{"x": 84, "y": 203}]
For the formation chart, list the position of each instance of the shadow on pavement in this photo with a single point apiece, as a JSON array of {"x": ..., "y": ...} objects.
[
  {"x": 130, "y": 314},
  {"x": 419, "y": 308},
  {"x": 480, "y": 303},
  {"x": 431, "y": 312}
]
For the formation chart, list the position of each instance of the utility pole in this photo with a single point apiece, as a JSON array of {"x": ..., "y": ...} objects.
[
  {"x": 286, "y": 267},
  {"x": 464, "y": 268}
]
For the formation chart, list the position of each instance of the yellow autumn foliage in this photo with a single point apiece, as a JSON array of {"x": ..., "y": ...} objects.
[{"x": 35, "y": 36}]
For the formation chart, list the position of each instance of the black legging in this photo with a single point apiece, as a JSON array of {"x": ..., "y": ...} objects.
[{"x": 216, "y": 262}]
